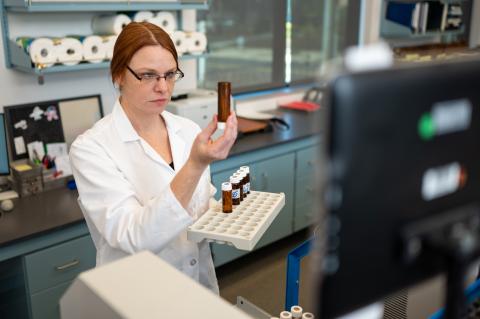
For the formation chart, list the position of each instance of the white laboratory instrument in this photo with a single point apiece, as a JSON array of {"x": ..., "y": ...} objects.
[
  {"x": 142, "y": 286},
  {"x": 200, "y": 106}
]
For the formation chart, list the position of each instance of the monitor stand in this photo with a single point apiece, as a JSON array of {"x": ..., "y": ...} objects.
[{"x": 454, "y": 237}]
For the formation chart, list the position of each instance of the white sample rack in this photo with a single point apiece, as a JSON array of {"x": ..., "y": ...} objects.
[{"x": 244, "y": 226}]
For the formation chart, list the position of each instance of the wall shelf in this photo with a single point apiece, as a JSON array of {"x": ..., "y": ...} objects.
[
  {"x": 27, "y": 67},
  {"x": 91, "y": 6},
  {"x": 16, "y": 58}
]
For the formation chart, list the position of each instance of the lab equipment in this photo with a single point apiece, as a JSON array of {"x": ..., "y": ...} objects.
[
  {"x": 246, "y": 170},
  {"x": 403, "y": 190},
  {"x": 227, "y": 198},
  {"x": 142, "y": 286},
  {"x": 236, "y": 190},
  {"x": 199, "y": 106},
  {"x": 242, "y": 228},
  {"x": 224, "y": 96}
]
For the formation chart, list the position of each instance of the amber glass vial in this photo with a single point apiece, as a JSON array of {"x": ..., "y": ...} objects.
[
  {"x": 235, "y": 190},
  {"x": 224, "y": 93},
  {"x": 240, "y": 180},
  {"x": 227, "y": 197},
  {"x": 243, "y": 181},
  {"x": 246, "y": 170}
]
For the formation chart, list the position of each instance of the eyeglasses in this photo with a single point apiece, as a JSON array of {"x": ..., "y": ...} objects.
[{"x": 169, "y": 77}]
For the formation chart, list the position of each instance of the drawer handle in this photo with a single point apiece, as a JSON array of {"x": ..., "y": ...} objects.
[{"x": 71, "y": 264}]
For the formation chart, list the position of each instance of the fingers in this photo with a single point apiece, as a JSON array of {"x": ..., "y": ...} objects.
[
  {"x": 222, "y": 145},
  {"x": 209, "y": 130}
]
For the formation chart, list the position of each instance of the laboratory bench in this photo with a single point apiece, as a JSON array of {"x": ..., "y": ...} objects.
[{"x": 45, "y": 243}]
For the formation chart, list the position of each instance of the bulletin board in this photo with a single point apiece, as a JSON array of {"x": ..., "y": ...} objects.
[{"x": 55, "y": 121}]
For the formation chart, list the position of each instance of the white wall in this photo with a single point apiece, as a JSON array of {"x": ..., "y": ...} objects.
[{"x": 17, "y": 87}]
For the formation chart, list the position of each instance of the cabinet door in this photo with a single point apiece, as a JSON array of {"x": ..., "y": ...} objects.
[
  {"x": 306, "y": 203},
  {"x": 306, "y": 190},
  {"x": 45, "y": 304},
  {"x": 276, "y": 175},
  {"x": 61, "y": 263}
]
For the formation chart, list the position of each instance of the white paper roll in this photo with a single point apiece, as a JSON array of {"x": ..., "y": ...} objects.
[
  {"x": 167, "y": 21},
  {"x": 109, "y": 24},
  {"x": 41, "y": 50},
  {"x": 179, "y": 38},
  {"x": 196, "y": 42},
  {"x": 94, "y": 50},
  {"x": 141, "y": 16},
  {"x": 69, "y": 51},
  {"x": 109, "y": 44}
]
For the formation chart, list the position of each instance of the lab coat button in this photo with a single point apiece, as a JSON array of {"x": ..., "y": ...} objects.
[{"x": 193, "y": 262}]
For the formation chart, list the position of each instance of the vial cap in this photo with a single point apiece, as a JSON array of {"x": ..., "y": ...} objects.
[
  {"x": 308, "y": 315},
  {"x": 227, "y": 186},
  {"x": 246, "y": 169},
  {"x": 241, "y": 174},
  {"x": 296, "y": 311},
  {"x": 234, "y": 179},
  {"x": 285, "y": 315}
]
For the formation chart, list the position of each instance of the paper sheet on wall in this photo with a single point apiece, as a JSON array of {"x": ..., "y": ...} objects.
[
  {"x": 55, "y": 150},
  {"x": 36, "y": 151},
  {"x": 62, "y": 164},
  {"x": 19, "y": 145}
]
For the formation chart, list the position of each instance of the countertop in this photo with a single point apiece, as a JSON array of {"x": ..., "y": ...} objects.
[
  {"x": 51, "y": 210},
  {"x": 302, "y": 125}
]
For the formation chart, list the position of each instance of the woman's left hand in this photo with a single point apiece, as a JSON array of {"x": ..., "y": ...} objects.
[{"x": 205, "y": 150}]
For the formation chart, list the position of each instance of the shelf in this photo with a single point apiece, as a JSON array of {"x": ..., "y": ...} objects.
[
  {"x": 95, "y": 6},
  {"x": 414, "y": 1},
  {"x": 21, "y": 61},
  {"x": 398, "y": 34}
]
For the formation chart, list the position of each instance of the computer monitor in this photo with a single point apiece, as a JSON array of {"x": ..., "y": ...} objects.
[
  {"x": 4, "y": 163},
  {"x": 403, "y": 189}
]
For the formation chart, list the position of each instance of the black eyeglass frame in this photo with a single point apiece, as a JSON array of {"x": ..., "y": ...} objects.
[{"x": 164, "y": 76}]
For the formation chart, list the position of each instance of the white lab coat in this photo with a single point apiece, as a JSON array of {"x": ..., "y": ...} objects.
[{"x": 125, "y": 194}]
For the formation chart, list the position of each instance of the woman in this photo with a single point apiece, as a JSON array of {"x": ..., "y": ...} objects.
[{"x": 142, "y": 173}]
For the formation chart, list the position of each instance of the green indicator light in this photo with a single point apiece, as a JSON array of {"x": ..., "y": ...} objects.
[{"x": 426, "y": 127}]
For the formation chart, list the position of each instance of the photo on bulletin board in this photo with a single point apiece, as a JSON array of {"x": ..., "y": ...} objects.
[{"x": 56, "y": 121}]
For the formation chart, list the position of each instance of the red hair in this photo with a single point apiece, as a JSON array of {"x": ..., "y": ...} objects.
[{"x": 133, "y": 37}]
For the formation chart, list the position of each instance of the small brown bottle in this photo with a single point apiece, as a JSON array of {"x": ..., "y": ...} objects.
[
  {"x": 227, "y": 197},
  {"x": 240, "y": 178},
  {"x": 224, "y": 95},
  {"x": 235, "y": 190},
  {"x": 246, "y": 170},
  {"x": 243, "y": 177}
]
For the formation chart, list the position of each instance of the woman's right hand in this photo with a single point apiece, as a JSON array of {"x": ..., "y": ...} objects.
[{"x": 204, "y": 150}]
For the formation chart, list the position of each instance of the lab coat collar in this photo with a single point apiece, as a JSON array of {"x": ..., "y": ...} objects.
[
  {"x": 124, "y": 126},
  {"x": 177, "y": 143},
  {"x": 127, "y": 134}
]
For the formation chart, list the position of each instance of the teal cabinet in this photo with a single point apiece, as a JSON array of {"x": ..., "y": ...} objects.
[
  {"x": 289, "y": 168},
  {"x": 45, "y": 304},
  {"x": 61, "y": 263},
  {"x": 49, "y": 272},
  {"x": 306, "y": 190},
  {"x": 276, "y": 175}
]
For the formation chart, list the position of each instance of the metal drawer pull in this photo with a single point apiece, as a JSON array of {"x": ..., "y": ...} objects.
[{"x": 69, "y": 265}]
